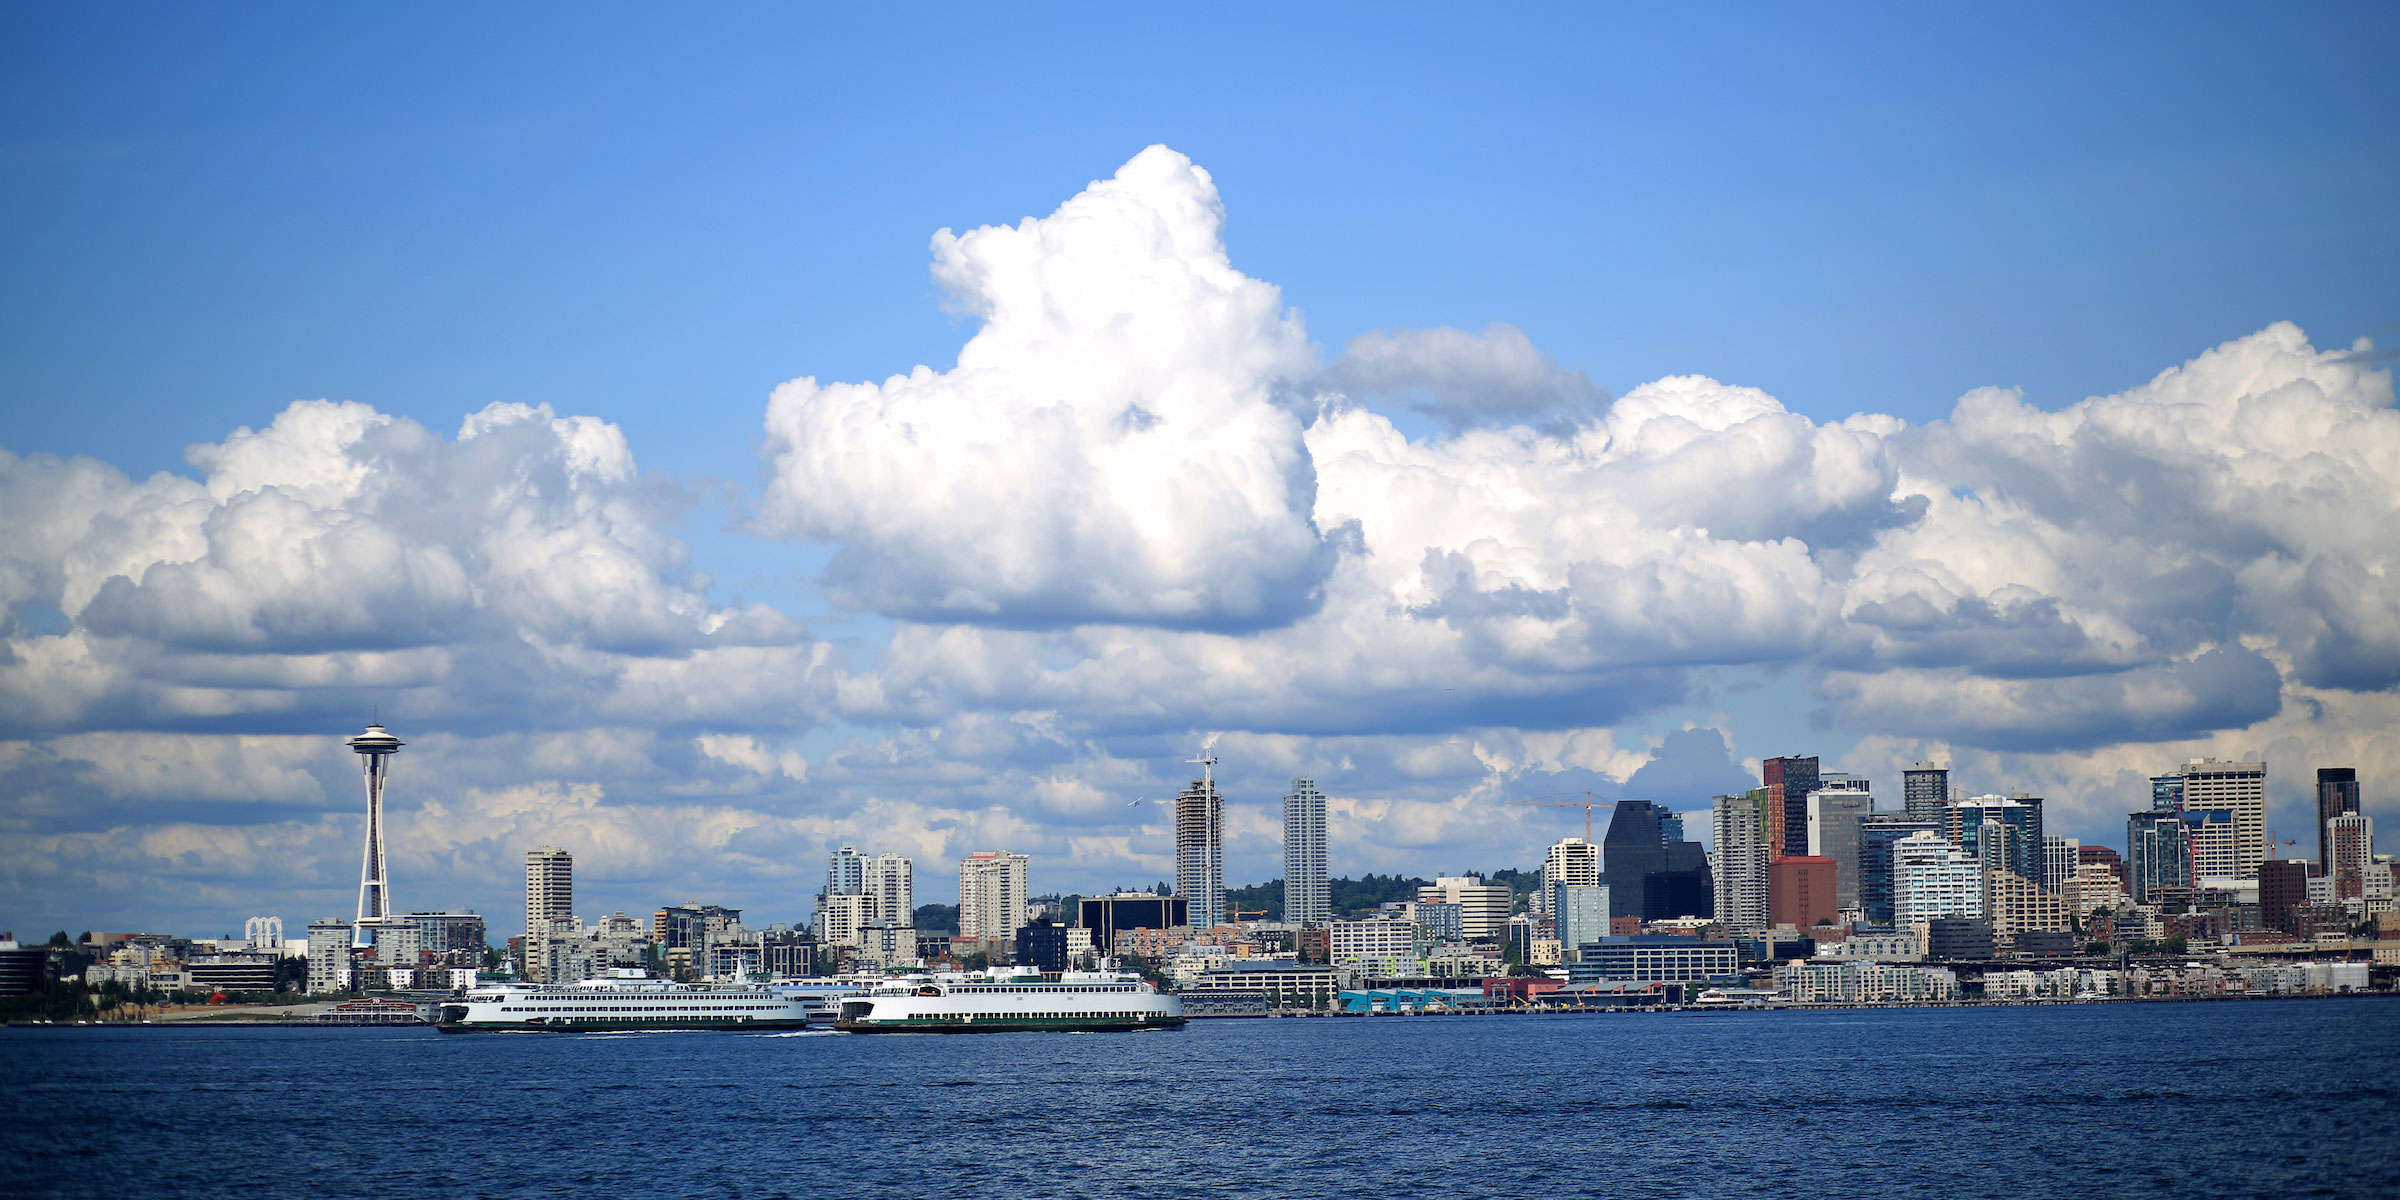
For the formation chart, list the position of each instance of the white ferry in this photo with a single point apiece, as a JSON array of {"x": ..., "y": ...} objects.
[
  {"x": 1003, "y": 1000},
  {"x": 627, "y": 999}
]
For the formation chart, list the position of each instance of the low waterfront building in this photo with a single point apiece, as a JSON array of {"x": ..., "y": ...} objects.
[
  {"x": 1877, "y": 945},
  {"x": 1304, "y": 985},
  {"x": 1864, "y": 983},
  {"x": 1647, "y": 958}
]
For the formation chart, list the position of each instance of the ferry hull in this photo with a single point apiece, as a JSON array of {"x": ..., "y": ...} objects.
[
  {"x": 1012, "y": 1024},
  {"x": 636, "y": 1024}
]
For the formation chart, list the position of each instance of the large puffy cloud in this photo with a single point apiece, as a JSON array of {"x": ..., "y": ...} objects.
[
  {"x": 1109, "y": 447},
  {"x": 522, "y": 573}
]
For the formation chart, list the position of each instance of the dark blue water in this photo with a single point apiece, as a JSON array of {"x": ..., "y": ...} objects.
[{"x": 2267, "y": 1098}]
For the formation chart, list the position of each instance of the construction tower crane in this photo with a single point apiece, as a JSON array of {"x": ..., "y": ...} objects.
[{"x": 1587, "y": 804}]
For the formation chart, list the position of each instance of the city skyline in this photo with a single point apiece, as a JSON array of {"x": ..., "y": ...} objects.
[{"x": 697, "y": 505}]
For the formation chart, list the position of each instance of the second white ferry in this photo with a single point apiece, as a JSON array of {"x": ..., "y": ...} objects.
[
  {"x": 1002, "y": 1000},
  {"x": 627, "y": 999}
]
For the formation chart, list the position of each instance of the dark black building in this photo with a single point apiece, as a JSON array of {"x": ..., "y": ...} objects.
[
  {"x": 1958, "y": 939},
  {"x": 1105, "y": 916},
  {"x": 26, "y": 969},
  {"x": 2337, "y": 794},
  {"x": 1666, "y": 879},
  {"x": 1042, "y": 945}
]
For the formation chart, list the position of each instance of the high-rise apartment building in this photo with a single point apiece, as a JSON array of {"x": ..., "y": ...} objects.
[
  {"x": 1926, "y": 790},
  {"x": 1876, "y": 836},
  {"x": 2158, "y": 853},
  {"x": 2060, "y": 858},
  {"x": 2350, "y": 851},
  {"x": 2215, "y": 839},
  {"x": 1740, "y": 826},
  {"x": 1307, "y": 891},
  {"x": 991, "y": 894},
  {"x": 1200, "y": 847},
  {"x": 2337, "y": 793},
  {"x": 329, "y": 955},
  {"x": 2238, "y": 788},
  {"x": 1934, "y": 877},
  {"x": 892, "y": 880},
  {"x": 1834, "y": 812},
  {"x": 2016, "y": 845},
  {"x": 845, "y": 915},
  {"x": 845, "y": 872},
  {"x": 549, "y": 898},
  {"x": 1572, "y": 861},
  {"x": 1789, "y": 780}
]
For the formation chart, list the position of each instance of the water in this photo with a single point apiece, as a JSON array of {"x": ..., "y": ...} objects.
[{"x": 2264, "y": 1098}]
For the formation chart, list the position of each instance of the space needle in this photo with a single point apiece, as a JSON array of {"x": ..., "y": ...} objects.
[{"x": 375, "y": 749}]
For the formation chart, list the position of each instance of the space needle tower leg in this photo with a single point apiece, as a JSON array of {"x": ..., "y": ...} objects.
[{"x": 374, "y": 748}]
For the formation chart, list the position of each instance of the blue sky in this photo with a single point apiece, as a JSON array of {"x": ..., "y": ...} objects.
[{"x": 654, "y": 219}]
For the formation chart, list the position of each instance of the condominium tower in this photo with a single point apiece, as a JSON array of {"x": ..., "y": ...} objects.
[
  {"x": 549, "y": 897},
  {"x": 1573, "y": 862},
  {"x": 1307, "y": 893},
  {"x": 1741, "y": 826},
  {"x": 991, "y": 894},
  {"x": 1926, "y": 790},
  {"x": 1789, "y": 780}
]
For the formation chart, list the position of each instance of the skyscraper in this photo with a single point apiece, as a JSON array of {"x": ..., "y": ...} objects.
[
  {"x": 2239, "y": 788},
  {"x": 1933, "y": 877},
  {"x": 2350, "y": 850},
  {"x": 2018, "y": 844},
  {"x": 845, "y": 872},
  {"x": 375, "y": 749},
  {"x": 1740, "y": 826},
  {"x": 1833, "y": 816},
  {"x": 2337, "y": 793},
  {"x": 991, "y": 894},
  {"x": 2158, "y": 853},
  {"x": 1876, "y": 837},
  {"x": 1649, "y": 877},
  {"x": 1307, "y": 893},
  {"x": 1926, "y": 791},
  {"x": 1573, "y": 862},
  {"x": 2166, "y": 793},
  {"x": 892, "y": 880},
  {"x": 1789, "y": 780},
  {"x": 549, "y": 897},
  {"x": 1200, "y": 847}
]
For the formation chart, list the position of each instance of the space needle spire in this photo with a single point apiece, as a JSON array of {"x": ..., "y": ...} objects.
[{"x": 375, "y": 749}]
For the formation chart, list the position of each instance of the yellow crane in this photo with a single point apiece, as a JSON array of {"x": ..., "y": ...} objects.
[{"x": 1587, "y": 804}]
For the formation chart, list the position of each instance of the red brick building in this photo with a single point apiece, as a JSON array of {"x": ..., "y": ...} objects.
[{"x": 1800, "y": 891}]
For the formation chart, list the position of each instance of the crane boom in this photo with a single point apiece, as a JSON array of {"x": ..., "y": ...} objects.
[{"x": 1587, "y": 804}]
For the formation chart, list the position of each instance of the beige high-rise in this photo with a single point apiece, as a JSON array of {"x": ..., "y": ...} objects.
[
  {"x": 549, "y": 897},
  {"x": 2241, "y": 789}
]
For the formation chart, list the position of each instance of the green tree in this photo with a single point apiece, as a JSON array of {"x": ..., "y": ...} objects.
[
  {"x": 2096, "y": 948},
  {"x": 2175, "y": 944},
  {"x": 59, "y": 940}
]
